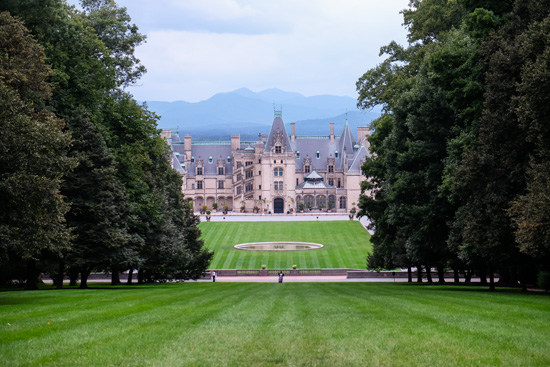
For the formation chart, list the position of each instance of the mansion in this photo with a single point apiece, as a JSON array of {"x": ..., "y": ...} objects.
[{"x": 278, "y": 173}]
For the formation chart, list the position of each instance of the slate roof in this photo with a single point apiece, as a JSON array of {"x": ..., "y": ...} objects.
[
  {"x": 359, "y": 157},
  {"x": 277, "y": 126}
]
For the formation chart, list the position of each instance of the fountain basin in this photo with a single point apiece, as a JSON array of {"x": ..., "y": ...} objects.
[{"x": 278, "y": 246}]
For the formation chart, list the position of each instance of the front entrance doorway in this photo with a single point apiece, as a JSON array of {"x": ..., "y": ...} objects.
[{"x": 278, "y": 206}]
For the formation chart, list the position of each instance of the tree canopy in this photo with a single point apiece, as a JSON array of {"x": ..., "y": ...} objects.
[
  {"x": 86, "y": 179},
  {"x": 460, "y": 153}
]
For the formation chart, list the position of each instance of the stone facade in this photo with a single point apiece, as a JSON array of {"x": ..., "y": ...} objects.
[{"x": 277, "y": 173}]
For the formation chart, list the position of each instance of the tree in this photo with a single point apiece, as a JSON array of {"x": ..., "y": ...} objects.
[
  {"x": 113, "y": 28},
  {"x": 33, "y": 154},
  {"x": 98, "y": 206}
]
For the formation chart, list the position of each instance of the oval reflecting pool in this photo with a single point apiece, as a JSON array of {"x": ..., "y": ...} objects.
[{"x": 278, "y": 246}]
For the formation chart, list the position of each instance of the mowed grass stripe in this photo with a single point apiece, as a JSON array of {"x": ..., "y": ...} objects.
[
  {"x": 268, "y": 324},
  {"x": 346, "y": 244}
]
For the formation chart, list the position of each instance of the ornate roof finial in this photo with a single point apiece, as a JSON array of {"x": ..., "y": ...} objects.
[{"x": 277, "y": 113}]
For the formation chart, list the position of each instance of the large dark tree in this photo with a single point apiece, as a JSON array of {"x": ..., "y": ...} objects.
[{"x": 33, "y": 154}]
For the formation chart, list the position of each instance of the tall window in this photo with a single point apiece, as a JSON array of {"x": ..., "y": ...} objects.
[
  {"x": 199, "y": 171},
  {"x": 220, "y": 170},
  {"x": 278, "y": 172},
  {"x": 307, "y": 169},
  {"x": 239, "y": 177},
  {"x": 342, "y": 202},
  {"x": 277, "y": 149},
  {"x": 239, "y": 190},
  {"x": 249, "y": 174},
  {"x": 330, "y": 169},
  {"x": 339, "y": 183},
  {"x": 199, "y": 185},
  {"x": 331, "y": 181},
  {"x": 278, "y": 185},
  {"x": 249, "y": 187},
  {"x": 220, "y": 184}
]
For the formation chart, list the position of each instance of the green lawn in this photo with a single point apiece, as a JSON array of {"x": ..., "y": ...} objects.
[
  {"x": 270, "y": 324},
  {"x": 346, "y": 244}
]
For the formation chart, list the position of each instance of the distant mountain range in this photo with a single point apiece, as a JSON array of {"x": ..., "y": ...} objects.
[{"x": 248, "y": 113}]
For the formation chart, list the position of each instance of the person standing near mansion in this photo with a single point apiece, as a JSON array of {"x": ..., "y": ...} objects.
[
  {"x": 281, "y": 275},
  {"x": 214, "y": 275}
]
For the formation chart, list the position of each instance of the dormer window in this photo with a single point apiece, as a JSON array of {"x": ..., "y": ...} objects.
[
  {"x": 336, "y": 154},
  {"x": 298, "y": 154},
  {"x": 193, "y": 159},
  {"x": 278, "y": 149},
  {"x": 318, "y": 155},
  {"x": 210, "y": 160},
  {"x": 307, "y": 169},
  {"x": 228, "y": 159}
]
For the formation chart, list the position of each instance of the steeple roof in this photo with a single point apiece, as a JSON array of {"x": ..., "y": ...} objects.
[{"x": 278, "y": 135}]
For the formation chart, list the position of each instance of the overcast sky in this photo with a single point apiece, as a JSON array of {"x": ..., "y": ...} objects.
[{"x": 196, "y": 48}]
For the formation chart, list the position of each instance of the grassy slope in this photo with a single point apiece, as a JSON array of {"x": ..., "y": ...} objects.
[
  {"x": 346, "y": 244},
  {"x": 270, "y": 324}
]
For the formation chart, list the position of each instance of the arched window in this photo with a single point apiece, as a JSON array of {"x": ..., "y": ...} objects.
[
  {"x": 210, "y": 160},
  {"x": 309, "y": 201},
  {"x": 321, "y": 200}
]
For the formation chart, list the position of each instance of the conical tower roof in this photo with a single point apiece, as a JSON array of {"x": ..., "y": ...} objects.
[{"x": 278, "y": 135}]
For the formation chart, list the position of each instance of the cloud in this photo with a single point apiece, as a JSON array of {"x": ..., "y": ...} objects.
[{"x": 197, "y": 48}]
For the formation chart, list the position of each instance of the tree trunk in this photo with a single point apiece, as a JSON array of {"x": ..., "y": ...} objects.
[
  {"x": 140, "y": 276},
  {"x": 115, "y": 275},
  {"x": 441, "y": 274},
  {"x": 419, "y": 274},
  {"x": 456, "y": 276},
  {"x": 73, "y": 277},
  {"x": 130, "y": 275},
  {"x": 84, "y": 273},
  {"x": 429, "y": 274},
  {"x": 409, "y": 274},
  {"x": 32, "y": 276},
  {"x": 491, "y": 280},
  {"x": 60, "y": 274},
  {"x": 467, "y": 276},
  {"x": 482, "y": 276}
]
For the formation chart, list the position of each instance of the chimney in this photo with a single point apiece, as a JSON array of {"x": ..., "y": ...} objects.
[
  {"x": 187, "y": 147},
  {"x": 292, "y": 131},
  {"x": 362, "y": 134},
  {"x": 332, "y": 131},
  {"x": 264, "y": 138},
  {"x": 166, "y": 134},
  {"x": 235, "y": 142}
]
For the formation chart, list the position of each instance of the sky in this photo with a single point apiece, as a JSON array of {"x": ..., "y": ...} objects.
[{"x": 197, "y": 48}]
